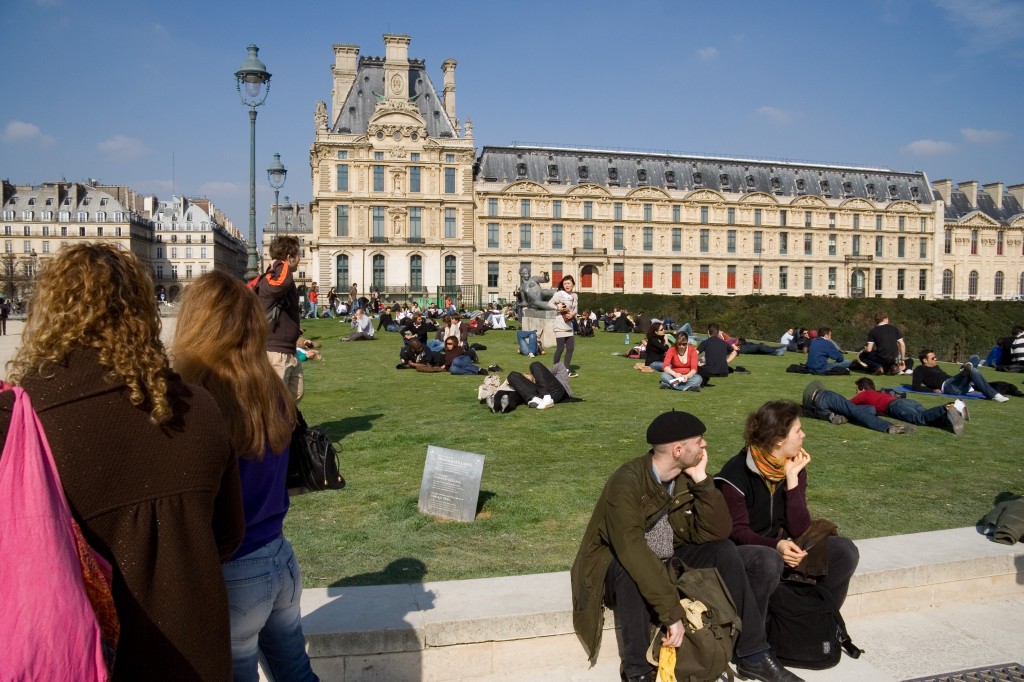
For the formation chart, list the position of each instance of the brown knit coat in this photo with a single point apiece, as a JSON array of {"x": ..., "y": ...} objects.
[{"x": 162, "y": 504}]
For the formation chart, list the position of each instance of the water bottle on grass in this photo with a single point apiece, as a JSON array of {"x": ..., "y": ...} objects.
[{"x": 627, "y": 338}]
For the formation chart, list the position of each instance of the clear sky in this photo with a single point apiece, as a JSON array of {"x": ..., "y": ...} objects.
[{"x": 142, "y": 93}]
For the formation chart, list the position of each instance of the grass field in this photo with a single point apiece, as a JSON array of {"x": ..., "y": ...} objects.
[{"x": 545, "y": 469}]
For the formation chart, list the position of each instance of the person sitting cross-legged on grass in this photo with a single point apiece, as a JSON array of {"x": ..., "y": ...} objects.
[
  {"x": 821, "y": 403},
  {"x": 679, "y": 371},
  {"x": 823, "y": 349},
  {"x": 929, "y": 377},
  {"x": 949, "y": 416},
  {"x": 362, "y": 327}
]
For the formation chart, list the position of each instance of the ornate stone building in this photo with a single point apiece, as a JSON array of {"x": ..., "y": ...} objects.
[
  {"x": 294, "y": 219},
  {"x": 399, "y": 204},
  {"x": 983, "y": 241},
  {"x": 392, "y": 171}
]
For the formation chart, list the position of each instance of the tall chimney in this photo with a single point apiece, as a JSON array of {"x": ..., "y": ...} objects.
[
  {"x": 396, "y": 67},
  {"x": 1017, "y": 191},
  {"x": 970, "y": 190},
  {"x": 344, "y": 71},
  {"x": 944, "y": 187},
  {"x": 448, "y": 97},
  {"x": 995, "y": 191}
]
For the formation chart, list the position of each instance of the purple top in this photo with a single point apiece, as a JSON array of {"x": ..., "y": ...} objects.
[{"x": 264, "y": 498}]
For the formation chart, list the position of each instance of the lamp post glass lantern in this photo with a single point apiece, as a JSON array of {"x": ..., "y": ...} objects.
[
  {"x": 276, "y": 175},
  {"x": 250, "y": 78}
]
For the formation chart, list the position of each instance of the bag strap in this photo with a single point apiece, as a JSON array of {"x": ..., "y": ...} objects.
[{"x": 851, "y": 649}]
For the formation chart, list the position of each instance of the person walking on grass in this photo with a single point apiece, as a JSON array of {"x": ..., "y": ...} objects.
[{"x": 566, "y": 303}]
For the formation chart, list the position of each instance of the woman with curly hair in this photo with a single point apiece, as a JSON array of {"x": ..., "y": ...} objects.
[
  {"x": 144, "y": 459},
  {"x": 225, "y": 355},
  {"x": 765, "y": 486}
]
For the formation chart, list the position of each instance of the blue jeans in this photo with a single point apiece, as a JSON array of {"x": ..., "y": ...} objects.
[
  {"x": 913, "y": 412},
  {"x": 657, "y": 365},
  {"x": 527, "y": 342},
  {"x": 693, "y": 382},
  {"x": 264, "y": 590},
  {"x": 865, "y": 415},
  {"x": 961, "y": 383},
  {"x": 463, "y": 365}
]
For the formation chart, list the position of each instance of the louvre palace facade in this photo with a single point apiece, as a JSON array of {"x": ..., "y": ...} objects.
[{"x": 402, "y": 203}]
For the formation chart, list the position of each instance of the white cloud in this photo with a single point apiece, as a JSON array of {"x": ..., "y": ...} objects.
[
  {"x": 20, "y": 131},
  {"x": 975, "y": 136},
  {"x": 986, "y": 25},
  {"x": 775, "y": 115},
  {"x": 123, "y": 148},
  {"x": 929, "y": 148},
  {"x": 707, "y": 54}
]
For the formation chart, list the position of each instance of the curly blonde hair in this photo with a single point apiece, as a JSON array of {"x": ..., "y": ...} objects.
[{"x": 100, "y": 297}]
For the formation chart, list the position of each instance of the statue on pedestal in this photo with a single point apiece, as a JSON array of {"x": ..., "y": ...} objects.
[{"x": 531, "y": 294}]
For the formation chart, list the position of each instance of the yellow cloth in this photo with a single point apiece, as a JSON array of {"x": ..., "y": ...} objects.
[{"x": 772, "y": 469}]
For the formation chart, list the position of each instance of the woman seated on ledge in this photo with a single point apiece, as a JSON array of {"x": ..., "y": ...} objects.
[{"x": 765, "y": 486}]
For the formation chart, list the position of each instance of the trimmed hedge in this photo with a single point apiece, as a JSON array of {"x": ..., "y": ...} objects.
[{"x": 953, "y": 329}]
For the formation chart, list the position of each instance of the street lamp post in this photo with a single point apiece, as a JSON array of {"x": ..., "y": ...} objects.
[
  {"x": 250, "y": 79},
  {"x": 276, "y": 175}
]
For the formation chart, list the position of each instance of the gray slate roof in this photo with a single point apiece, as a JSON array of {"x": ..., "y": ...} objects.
[
  {"x": 550, "y": 165},
  {"x": 360, "y": 102},
  {"x": 959, "y": 206}
]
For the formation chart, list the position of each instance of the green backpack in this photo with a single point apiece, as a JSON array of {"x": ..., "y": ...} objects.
[{"x": 706, "y": 651}]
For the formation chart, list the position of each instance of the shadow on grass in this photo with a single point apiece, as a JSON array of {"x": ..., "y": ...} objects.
[
  {"x": 404, "y": 571},
  {"x": 337, "y": 430}
]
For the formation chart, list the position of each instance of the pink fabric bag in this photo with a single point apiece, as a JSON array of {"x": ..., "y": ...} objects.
[{"x": 48, "y": 629}]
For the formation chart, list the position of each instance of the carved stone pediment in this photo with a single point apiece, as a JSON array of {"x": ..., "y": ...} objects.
[
  {"x": 857, "y": 204},
  {"x": 647, "y": 193},
  {"x": 392, "y": 117},
  {"x": 905, "y": 206},
  {"x": 525, "y": 188},
  {"x": 809, "y": 200},
  {"x": 977, "y": 219},
  {"x": 705, "y": 195},
  {"x": 759, "y": 198},
  {"x": 1017, "y": 221},
  {"x": 588, "y": 190}
]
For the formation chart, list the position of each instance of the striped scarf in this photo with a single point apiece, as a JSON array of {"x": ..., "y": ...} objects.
[{"x": 772, "y": 469}]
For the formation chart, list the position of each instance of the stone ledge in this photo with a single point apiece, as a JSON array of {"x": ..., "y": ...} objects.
[{"x": 364, "y": 631}]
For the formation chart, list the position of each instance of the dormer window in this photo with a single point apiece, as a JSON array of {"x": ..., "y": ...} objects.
[
  {"x": 776, "y": 184},
  {"x": 800, "y": 185},
  {"x": 66, "y": 202},
  {"x": 915, "y": 193},
  {"x": 520, "y": 171},
  {"x": 751, "y": 182},
  {"x": 583, "y": 172},
  {"x": 31, "y": 201},
  {"x": 847, "y": 189},
  {"x": 894, "y": 191},
  {"x": 870, "y": 187},
  {"x": 613, "y": 175},
  {"x": 698, "y": 180},
  {"x": 825, "y": 189},
  {"x": 641, "y": 176},
  {"x": 103, "y": 202},
  {"x": 724, "y": 179},
  {"x": 86, "y": 201},
  {"x": 670, "y": 179},
  {"x": 553, "y": 172},
  {"x": 49, "y": 202}
]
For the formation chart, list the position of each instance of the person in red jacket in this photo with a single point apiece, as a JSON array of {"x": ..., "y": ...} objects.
[{"x": 948, "y": 416}]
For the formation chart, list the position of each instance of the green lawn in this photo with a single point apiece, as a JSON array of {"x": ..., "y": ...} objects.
[{"x": 545, "y": 469}]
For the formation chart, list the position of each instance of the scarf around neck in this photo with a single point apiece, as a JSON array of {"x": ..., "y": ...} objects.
[{"x": 772, "y": 469}]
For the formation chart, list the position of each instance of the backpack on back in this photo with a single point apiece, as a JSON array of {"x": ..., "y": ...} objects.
[{"x": 805, "y": 628}]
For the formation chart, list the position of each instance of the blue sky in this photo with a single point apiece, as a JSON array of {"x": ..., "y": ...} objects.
[{"x": 115, "y": 90}]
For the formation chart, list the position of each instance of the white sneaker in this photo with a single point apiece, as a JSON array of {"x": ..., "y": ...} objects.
[
  {"x": 1000, "y": 398},
  {"x": 545, "y": 403},
  {"x": 535, "y": 402},
  {"x": 961, "y": 407},
  {"x": 531, "y": 355},
  {"x": 908, "y": 371}
]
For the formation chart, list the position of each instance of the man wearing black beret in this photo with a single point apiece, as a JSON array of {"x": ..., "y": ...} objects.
[{"x": 654, "y": 507}]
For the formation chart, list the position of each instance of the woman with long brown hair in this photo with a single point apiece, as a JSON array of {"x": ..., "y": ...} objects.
[
  {"x": 144, "y": 460},
  {"x": 224, "y": 353}
]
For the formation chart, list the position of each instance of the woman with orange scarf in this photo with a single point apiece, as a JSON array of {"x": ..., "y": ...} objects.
[{"x": 765, "y": 487}]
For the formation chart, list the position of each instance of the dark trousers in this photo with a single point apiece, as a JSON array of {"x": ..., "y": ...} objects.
[
  {"x": 635, "y": 617},
  {"x": 766, "y": 562},
  {"x": 546, "y": 384},
  {"x": 875, "y": 361}
]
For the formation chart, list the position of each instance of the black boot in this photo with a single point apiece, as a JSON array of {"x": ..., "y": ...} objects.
[{"x": 768, "y": 669}]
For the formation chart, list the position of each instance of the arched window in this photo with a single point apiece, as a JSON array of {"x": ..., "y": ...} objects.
[
  {"x": 947, "y": 282},
  {"x": 587, "y": 277},
  {"x": 378, "y": 272},
  {"x": 972, "y": 283},
  {"x": 416, "y": 272},
  {"x": 449, "y": 271},
  {"x": 342, "y": 272},
  {"x": 997, "y": 287}
]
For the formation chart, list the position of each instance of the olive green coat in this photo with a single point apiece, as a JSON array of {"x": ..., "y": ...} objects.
[{"x": 631, "y": 502}]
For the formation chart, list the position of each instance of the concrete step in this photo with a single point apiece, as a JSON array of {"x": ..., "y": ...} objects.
[{"x": 520, "y": 627}]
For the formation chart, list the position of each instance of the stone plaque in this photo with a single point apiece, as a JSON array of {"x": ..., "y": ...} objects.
[{"x": 451, "y": 483}]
